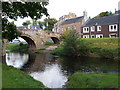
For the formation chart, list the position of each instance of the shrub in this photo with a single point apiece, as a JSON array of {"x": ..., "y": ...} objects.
[{"x": 72, "y": 46}]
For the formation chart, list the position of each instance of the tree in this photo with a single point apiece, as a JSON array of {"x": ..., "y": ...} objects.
[
  {"x": 102, "y": 14},
  {"x": 26, "y": 23},
  {"x": 49, "y": 23},
  {"x": 73, "y": 45},
  {"x": 13, "y": 10}
]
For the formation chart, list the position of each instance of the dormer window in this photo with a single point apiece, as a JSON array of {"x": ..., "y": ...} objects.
[
  {"x": 86, "y": 30},
  {"x": 98, "y": 28}
]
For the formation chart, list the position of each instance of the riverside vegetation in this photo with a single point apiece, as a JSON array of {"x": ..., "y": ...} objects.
[
  {"x": 17, "y": 47},
  {"x": 91, "y": 47}
]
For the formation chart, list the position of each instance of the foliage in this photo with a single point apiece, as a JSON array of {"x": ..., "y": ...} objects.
[
  {"x": 94, "y": 47},
  {"x": 17, "y": 47},
  {"x": 72, "y": 46},
  {"x": 26, "y": 23},
  {"x": 39, "y": 50},
  {"x": 14, "y": 78},
  {"x": 93, "y": 80},
  {"x": 49, "y": 43},
  {"x": 102, "y": 14},
  {"x": 49, "y": 23},
  {"x": 13, "y": 10}
]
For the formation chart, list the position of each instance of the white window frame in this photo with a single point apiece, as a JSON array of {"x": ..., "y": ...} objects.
[
  {"x": 112, "y": 34},
  {"x": 85, "y": 36},
  {"x": 98, "y": 35},
  {"x": 113, "y": 29},
  {"x": 92, "y": 28},
  {"x": 86, "y": 30},
  {"x": 99, "y": 28},
  {"x": 92, "y": 35}
]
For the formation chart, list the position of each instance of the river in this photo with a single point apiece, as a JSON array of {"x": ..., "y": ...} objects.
[{"x": 53, "y": 71}]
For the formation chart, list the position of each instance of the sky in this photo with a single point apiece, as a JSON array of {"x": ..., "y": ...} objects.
[{"x": 58, "y": 8}]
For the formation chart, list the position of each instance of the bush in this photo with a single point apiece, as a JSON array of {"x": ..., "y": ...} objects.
[{"x": 72, "y": 46}]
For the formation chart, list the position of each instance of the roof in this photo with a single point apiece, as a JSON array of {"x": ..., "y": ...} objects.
[
  {"x": 107, "y": 20},
  {"x": 117, "y": 12},
  {"x": 73, "y": 20}
]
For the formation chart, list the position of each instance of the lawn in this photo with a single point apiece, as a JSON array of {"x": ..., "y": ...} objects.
[
  {"x": 15, "y": 78},
  {"x": 93, "y": 80},
  {"x": 111, "y": 43}
]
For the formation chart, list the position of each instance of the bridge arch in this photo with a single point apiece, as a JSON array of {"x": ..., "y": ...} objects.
[
  {"x": 30, "y": 42},
  {"x": 55, "y": 40}
]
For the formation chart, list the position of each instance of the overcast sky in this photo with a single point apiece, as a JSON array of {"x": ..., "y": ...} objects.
[{"x": 58, "y": 8}]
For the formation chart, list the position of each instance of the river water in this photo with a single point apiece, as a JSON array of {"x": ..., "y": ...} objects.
[{"x": 53, "y": 71}]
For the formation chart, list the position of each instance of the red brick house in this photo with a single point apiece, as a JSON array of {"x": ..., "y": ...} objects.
[{"x": 107, "y": 26}]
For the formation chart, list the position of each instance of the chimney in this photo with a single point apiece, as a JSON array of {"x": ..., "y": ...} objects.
[{"x": 85, "y": 16}]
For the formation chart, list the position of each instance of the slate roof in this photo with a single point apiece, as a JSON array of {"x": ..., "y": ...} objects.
[
  {"x": 107, "y": 20},
  {"x": 73, "y": 20},
  {"x": 117, "y": 12}
]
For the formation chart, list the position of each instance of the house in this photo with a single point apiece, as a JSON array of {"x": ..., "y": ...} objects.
[
  {"x": 107, "y": 26},
  {"x": 70, "y": 23},
  {"x": 57, "y": 25}
]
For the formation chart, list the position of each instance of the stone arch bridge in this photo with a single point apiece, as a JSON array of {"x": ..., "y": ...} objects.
[{"x": 36, "y": 38}]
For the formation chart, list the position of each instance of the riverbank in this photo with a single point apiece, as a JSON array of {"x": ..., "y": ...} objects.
[
  {"x": 97, "y": 47},
  {"x": 14, "y": 78},
  {"x": 17, "y": 47},
  {"x": 93, "y": 80}
]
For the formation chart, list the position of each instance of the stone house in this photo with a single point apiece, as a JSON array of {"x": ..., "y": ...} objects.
[{"x": 75, "y": 23}]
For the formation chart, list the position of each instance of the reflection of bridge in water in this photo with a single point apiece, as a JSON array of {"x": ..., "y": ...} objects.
[{"x": 36, "y": 38}]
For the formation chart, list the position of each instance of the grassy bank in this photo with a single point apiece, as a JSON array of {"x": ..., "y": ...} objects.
[
  {"x": 93, "y": 80},
  {"x": 95, "y": 47},
  {"x": 14, "y": 78},
  {"x": 17, "y": 47}
]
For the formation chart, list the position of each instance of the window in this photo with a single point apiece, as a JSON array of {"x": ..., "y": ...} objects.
[
  {"x": 113, "y": 27},
  {"x": 86, "y": 30},
  {"x": 92, "y": 28},
  {"x": 98, "y": 28},
  {"x": 92, "y": 36},
  {"x": 85, "y": 36},
  {"x": 99, "y": 36},
  {"x": 112, "y": 35}
]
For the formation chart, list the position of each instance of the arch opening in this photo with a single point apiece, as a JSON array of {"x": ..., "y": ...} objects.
[
  {"x": 55, "y": 40},
  {"x": 30, "y": 42}
]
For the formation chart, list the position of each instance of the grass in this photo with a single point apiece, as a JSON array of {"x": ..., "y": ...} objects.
[
  {"x": 93, "y": 80},
  {"x": 17, "y": 47},
  {"x": 103, "y": 42},
  {"x": 14, "y": 78},
  {"x": 39, "y": 50},
  {"x": 99, "y": 47},
  {"x": 48, "y": 43}
]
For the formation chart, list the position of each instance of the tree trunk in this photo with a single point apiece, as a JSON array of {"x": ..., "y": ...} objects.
[{"x": 3, "y": 50}]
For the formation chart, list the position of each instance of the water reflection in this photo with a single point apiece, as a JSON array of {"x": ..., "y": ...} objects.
[
  {"x": 53, "y": 72},
  {"x": 52, "y": 76},
  {"x": 16, "y": 59}
]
